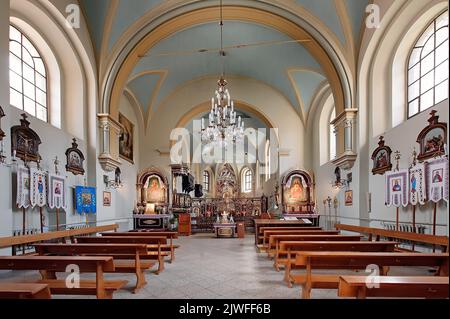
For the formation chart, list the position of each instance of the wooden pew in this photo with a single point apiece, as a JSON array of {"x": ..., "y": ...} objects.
[
  {"x": 98, "y": 265},
  {"x": 427, "y": 287},
  {"x": 276, "y": 223},
  {"x": 154, "y": 244},
  {"x": 289, "y": 250},
  {"x": 24, "y": 291},
  {"x": 268, "y": 233},
  {"x": 169, "y": 235},
  {"x": 275, "y": 240},
  {"x": 116, "y": 251},
  {"x": 357, "y": 260},
  {"x": 30, "y": 239},
  {"x": 379, "y": 233}
]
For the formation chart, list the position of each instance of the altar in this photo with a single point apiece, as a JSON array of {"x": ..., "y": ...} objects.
[
  {"x": 225, "y": 230},
  {"x": 151, "y": 221}
]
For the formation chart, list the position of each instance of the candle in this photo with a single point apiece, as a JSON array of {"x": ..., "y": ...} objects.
[{"x": 203, "y": 123}]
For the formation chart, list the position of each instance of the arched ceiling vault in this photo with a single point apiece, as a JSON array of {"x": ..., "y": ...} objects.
[{"x": 298, "y": 74}]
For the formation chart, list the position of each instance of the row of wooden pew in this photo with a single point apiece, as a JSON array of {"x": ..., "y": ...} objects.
[
  {"x": 119, "y": 253},
  {"x": 301, "y": 251}
]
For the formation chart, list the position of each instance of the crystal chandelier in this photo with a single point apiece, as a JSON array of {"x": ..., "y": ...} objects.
[{"x": 224, "y": 125}]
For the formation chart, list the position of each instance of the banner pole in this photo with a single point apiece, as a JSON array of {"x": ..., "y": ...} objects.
[
  {"x": 57, "y": 219},
  {"x": 397, "y": 227},
  {"x": 42, "y": 222},
  {"x": 414, "y": 225}
]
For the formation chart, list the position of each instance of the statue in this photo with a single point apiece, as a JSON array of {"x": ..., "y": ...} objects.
[{"x": 225, "y": 217}]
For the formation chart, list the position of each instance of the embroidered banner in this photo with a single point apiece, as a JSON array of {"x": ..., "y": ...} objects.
[
  {"x": 437, "y": 178},
  {"x": 86, "y": 200},
  {"x": 38, "y": 190},
  {"x": 417, "y": 185},
  {"x": 23, "y": 187},
  {"x": 397, "y": 188},
  {"x": 57, "y": 194}
]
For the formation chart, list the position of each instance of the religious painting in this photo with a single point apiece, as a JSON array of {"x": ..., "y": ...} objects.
[
  {"x": 126, "y": 139},
  {"x": 38, "y": 189},
  {"x": 437, "y": 179},
  {"x": 397, "y": 188},
  {"x": 432, "y": 139},
  {"x": 417, "y": 185},
  {"x": 25, "y": 142},
  {"x": 349, "y": 198},
  {"x": 107, "y": 199},
  {"x": 86, "y": 201},
  {"x": 381, "y": 158},
  {"x": 57, "y": 192},
  {"x": 23, "y": 187},
  {"x": 297, "y": 192},
  {"x": 75, "y": 159},
  {"x": 154, "y": 189}
]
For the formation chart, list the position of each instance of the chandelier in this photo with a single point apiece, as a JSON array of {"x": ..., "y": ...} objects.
[{"x": 224, "y": 126}]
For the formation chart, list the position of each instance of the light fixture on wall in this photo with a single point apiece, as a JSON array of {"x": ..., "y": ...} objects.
[{"x": 224, "y": 126}]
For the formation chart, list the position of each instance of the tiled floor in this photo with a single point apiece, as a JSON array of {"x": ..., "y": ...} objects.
[{"x": 209, "y": 268}]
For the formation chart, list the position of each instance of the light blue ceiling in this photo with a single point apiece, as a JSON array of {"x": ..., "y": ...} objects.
[
  {"x": 129, "y": 11},
  {"x": 143, "y": 88},
  {"x": 356, "y": 19},
  {"x": 326, "y": 11},
  {"x": 307, "y": 83},
  {"x": 96, "y": 11},
  {"x": 268, "y": 64}
]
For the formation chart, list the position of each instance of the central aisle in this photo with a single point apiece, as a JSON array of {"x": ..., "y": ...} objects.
[{"x": 206, "y": 267}]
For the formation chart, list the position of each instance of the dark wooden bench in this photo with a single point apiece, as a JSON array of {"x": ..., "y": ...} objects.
[
  {"x": 154, "y": 246},
  {"x": 268, "y": 233},
  {"x": 288, "y": 251},
  {"x": 169, "y": 235},
  {"x": 427, "y": 287},
  {"x": 259, "y": 223},
  {"x": 24, "y": 291},
  {"x": 275, "y": 240},
  {"x": 378, "y": 233},
  {"x": 358, "y": 260},
  {"x": 98, "y": 265},
  {"x": 136, "y": 266}
]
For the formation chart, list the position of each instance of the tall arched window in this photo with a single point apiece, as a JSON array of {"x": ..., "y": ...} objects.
[
  {"x": 428, "y": 67},
  {"x": 247, "y": 180},
  {"x": 206, "y": 181},
  {"x": 27, "y": 76},
  {"x": 268, "y": 161},
  {"x": 332, "y": 136}
]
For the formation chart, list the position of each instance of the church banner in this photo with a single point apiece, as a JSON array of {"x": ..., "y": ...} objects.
[
  {"x": 417, "y": 185},
  {"x": 57, "y": 194},
  {"x": 23, "y": 187},
  {"x": 86, "y": 200},
  {"x": 397, "y": 188},
  {"x": 38, "y": 190},
  {"x": 437, "y": 178}
]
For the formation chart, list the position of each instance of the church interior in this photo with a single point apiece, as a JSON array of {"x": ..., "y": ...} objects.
[{"x": 224, "y": 149}]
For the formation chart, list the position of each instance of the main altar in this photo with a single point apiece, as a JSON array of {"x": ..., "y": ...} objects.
[{"x": 225, "y": 227}]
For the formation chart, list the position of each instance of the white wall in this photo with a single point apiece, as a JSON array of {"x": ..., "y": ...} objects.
[{"x": 122, "y": 199}]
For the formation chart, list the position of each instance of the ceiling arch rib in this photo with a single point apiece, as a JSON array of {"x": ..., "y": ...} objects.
[
  {"x": 335, "y": 72},
  {"x": 266, "y": 63}
]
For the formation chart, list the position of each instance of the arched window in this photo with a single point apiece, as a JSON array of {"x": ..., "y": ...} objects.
[
  {"x": 428, "y": 67},
  {"x": 332, "y": 136},
  {"x": 247, "y": 180},
  {"x": 27, "y": 76},
  {"x": 268, "y": 161},
  {"x": 206, "y": 181}
]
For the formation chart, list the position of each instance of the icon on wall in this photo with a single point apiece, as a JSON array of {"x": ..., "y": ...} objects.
[
  {"x": 75, "y": 159},
  {"x": 432, "y": 139},
  {"x": 349, "y": 198},
  {"x": 25, "y": 142},
  {"x": 381, "y": 158},
  {"x": 107, "y": 199},
  {"x": 126, "y": 139}
]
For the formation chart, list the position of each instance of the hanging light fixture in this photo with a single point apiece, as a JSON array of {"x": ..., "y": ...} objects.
[{"x": 224, "y": 126}]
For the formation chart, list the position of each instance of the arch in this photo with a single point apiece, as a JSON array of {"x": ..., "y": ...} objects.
[{"x": 294, "y": 27}]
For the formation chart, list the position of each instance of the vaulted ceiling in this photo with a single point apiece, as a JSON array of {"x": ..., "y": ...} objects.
[{"x": 289, "y": 68}]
